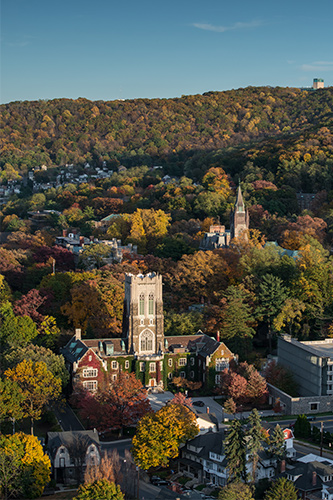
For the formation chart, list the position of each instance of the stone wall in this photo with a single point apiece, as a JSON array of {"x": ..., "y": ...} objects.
[{"x": 296, "y": 406}]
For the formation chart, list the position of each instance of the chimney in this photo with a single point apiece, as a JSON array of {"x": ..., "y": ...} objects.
[
  {"x": 78, "y": 333},
  {"x": 207, "y": 410},
  {"x": 173, "y": 487},
  {"x": 283, "y": 466},
  {"x": 314, "y": 478},
  {"x": 64, "y": 233},
  {"x": 218, "y": 335}
]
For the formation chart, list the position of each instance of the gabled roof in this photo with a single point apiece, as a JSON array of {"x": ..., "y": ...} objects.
[
  {"x": 77, "y": 348},
  {"x": 74, "y": 350},
  {"x": 70, "y": 439},
  {"x": 200, "y": 343},
  {"x": 304, "y": 473},
  {"x": 210, "y": 441}
]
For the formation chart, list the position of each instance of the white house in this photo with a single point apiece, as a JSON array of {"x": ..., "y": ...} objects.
[{"x": 71, "y": 451}]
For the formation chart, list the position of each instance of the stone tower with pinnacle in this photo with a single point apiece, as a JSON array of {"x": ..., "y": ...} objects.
[{"x": 240, "y": 217}]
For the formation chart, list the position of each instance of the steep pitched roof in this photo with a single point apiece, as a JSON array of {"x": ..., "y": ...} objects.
[
  {"x": 307, "y": 476},
  {"x": 239, "y": 204},
  {"x": 69, "y": 439}
]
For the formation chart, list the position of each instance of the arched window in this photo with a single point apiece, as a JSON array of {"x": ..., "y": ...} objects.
[
  {"x": 142, "y": 304},
  {"x": 151, "y": 304},
  {"x": 146, "y": 341}
]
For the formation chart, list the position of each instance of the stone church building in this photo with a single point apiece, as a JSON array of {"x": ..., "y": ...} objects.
[
  {"x": 143, "y": 348},
  {"x": 218, "y": 236}
]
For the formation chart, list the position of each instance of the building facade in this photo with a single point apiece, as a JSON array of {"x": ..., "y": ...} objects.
[
  {"x": 143, "y": 348},
  {"x": 311, "y": 364}
]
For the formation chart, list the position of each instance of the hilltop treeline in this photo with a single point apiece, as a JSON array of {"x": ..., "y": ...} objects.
[{"x": 294, "y": 125}]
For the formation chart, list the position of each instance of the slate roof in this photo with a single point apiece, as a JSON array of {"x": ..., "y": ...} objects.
[
  {"x": 69, "y": 439},
  {"x": 200, "y": 342},
  {"x": 303, "y": 474},
  {"x": 76, "y": 349},
  {"x": 210, "y": 441}
]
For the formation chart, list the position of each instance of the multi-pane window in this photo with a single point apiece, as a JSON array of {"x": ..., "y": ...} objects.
[
  {"x": 146, "y": 341},
  {"x": 221, "y": 364},
  {"x": 152, "y": 367},
  {"x": 182, "y": 374},
  {"x": 90, "y": 372},
  {"x": 151, "y": 304},
  {"x": 127, "y": 364},
  {"x": 142, "y": 304},
  {"x": 90, "y": 385},
  {"x": 217, "y": 379},
  {"x": 170, "y": 362},
  {"x": 142, "y": 366},
  {"x": 191, "y": 374},
  {"x": 182, "y": 362},
  {"x": 114, "y": 377},
  {"x": 192, "y": 361},
  {"x": 114, "y": 365}
]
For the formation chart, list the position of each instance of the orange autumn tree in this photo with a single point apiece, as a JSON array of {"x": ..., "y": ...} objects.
[{"x": 97, "y": 303}]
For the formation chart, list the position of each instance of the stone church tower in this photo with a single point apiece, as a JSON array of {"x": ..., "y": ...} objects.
[
  {"x": 143, "y": 324},
  {"x": 240, "y": 217}
]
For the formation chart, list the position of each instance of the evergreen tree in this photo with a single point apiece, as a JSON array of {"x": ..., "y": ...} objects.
[
  {"x": 235, "y": 451},
  {"x": 277, "y": 445},
  {"x": 302, "y": 427},
  {"x": 282, "y": 489},
  {"x": 271, "y": 296},
  {"x": 255, "y": 436}
]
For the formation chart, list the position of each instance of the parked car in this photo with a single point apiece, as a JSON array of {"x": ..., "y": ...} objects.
[{"x": 198, "y": 403}]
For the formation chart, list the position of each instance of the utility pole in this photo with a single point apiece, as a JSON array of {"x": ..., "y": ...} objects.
[{"x": 321, "y": 437}]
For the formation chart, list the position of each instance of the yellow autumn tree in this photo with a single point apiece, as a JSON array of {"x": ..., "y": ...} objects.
[
  {"x": 38, "y": 387},
  {"x": 24, "y": 465},
  {"x": 159, "y": 435}
]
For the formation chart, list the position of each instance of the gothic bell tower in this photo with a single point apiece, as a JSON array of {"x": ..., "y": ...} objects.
[
  {"x": 143, "y": 324},
  {"x": 240, "y": 217}
]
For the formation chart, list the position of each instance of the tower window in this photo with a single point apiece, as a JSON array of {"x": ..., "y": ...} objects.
[
  {"x": 151, "y": 304},
  {"x": 142, "y": 304},
  {"x": 146, "y": 341}
]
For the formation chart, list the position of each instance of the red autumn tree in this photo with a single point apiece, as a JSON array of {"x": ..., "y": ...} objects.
[
  {"x": 64, "y": 259},
  {"x": 234, "y": 385},
  {"x": 29, "y": 304},
  {"x": 181, "y": 399},
  {"x": 122, "y": 405}
]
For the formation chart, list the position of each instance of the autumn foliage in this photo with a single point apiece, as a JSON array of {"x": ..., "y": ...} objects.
[{"x": 119, "y": 406}]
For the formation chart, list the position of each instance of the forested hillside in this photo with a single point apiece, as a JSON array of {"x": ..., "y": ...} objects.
[{"x": 282, "y": 130}]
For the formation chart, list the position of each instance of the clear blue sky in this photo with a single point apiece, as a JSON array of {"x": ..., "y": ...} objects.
[{"x": 107, "y": 49}]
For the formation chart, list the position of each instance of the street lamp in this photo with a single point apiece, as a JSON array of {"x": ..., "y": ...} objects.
[{"x": 138, "y": 482}]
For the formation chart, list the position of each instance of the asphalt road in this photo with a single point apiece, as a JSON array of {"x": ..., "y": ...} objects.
[{"x": 67, "y": 419}]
